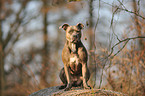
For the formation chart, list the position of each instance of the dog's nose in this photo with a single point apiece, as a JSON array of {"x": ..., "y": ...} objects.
[{"x": 75, "y": 36}]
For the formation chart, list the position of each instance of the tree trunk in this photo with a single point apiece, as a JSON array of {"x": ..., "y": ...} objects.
[
  {"x": 45, "y": 56},
  {"x": 92, "y": 46},
  {"x": 2, "y": 83}
]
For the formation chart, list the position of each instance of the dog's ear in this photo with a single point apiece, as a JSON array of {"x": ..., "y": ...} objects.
[
  {"x": 64, "y": 26},
  {"x": 80, "y": 25}
]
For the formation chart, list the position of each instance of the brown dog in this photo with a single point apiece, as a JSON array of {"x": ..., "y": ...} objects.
[{"x": 74, "y": 57}]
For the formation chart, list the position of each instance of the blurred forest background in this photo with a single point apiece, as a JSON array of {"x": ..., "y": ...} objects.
[{"x": 31, "y": 43}]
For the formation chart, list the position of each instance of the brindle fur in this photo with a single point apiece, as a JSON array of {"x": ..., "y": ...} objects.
[{"x": 74, "y": 57}]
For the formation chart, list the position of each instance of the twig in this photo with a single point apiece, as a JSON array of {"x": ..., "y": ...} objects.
[
  {"x": 11, "y": 47},
  {"x": 120, "y": 49},
  {"x": 126, "y": 41},
  {"x": 98, "y": 17},
  {"x": 111, "y": 27},
  {"x": 112, "y": 49},
  {"x": 102, "y": 73},
  {"x": 121, "y": 3},
  {"x": 124, "y": 9},
  {"x": 112, "y": 23}
]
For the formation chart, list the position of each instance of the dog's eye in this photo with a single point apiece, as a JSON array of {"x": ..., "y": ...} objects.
[{"x": 70, "y": 31}]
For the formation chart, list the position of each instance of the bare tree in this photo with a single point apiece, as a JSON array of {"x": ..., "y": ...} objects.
[
  {"x": 45, "y": 53},
  {"x": 92, "y": 44},
  {"x": 6, "y": 44}
]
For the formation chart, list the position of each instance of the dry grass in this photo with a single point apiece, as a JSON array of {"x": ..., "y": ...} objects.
[{"x": 126, "y": 71}]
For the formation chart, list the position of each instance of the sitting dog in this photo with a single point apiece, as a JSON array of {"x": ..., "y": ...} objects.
[{"x": 74, "y": 57}]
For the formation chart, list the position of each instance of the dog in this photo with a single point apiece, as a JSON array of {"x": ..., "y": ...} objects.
[{"x": 74, "y": 56}]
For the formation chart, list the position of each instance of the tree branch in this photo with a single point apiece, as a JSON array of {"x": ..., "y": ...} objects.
[
  {"x": 15, "y": 23},
  {"x": 124, "y": 9},
  {"x": 126, "y": 41}
]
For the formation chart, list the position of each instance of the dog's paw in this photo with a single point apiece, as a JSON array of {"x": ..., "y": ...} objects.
[
  {"x": 68, "y": 87},
  {"x": 87, "y": 87},
  {"x": 62, "y": 86}
]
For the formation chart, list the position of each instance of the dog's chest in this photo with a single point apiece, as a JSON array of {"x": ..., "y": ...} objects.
[{"x": 75, "y": 62}]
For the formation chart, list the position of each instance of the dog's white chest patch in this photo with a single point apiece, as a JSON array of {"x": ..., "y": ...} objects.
[
  {"x": 73, "y": 46},
  {"x": 74, "y": 59},
  {"x": 74, "y": 62}
]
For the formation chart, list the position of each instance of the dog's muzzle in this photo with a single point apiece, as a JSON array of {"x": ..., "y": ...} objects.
[{"x": 75, "y": 39}]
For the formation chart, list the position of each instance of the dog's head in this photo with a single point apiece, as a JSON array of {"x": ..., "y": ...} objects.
[{"x": 73, "y": 33}]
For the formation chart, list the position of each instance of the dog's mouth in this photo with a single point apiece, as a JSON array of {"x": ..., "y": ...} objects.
[{"x": 75, "y": 40}]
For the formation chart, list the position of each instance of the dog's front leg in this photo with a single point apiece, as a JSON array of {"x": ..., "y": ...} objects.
[
  {"x": 84, "y": 73},
  {"x": 67, "y": 73}
]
